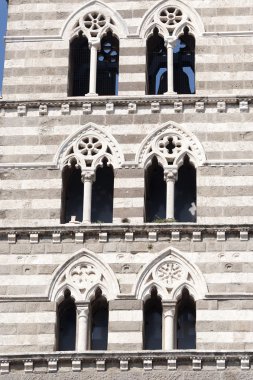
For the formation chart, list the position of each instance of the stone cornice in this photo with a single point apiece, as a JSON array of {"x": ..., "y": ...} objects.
[{"x": 179, "y": 360}]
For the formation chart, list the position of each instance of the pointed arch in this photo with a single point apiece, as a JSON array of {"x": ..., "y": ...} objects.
[
  {"x": 169, "y": 273},
  {"x": 157, "y": 142},
  {"x": 190, "y": 18},
  {"x": 118, "y": 26},
  {"x": 82, "y": 274},
  {"x": 107, "y": 147}
]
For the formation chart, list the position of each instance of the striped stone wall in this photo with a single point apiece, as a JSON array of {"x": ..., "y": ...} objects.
[{"x": 37, "y": 66}]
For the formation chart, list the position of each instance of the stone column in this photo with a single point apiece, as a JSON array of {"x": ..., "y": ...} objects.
[
  {"x": 168, "y": 325},
  {"x": 87, "y": 179},
  {"x": 94, "y": 46},
  {"x": 170, "y": 178},
  {"x": 169, "y": 44},
  {"x": 82, "y": 322}
]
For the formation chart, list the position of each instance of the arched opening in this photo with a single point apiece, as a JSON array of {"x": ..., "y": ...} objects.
[
  {"x": 102, "y": 194},
  {"x": 153, "y": 322},
  {"x": 185, "y": 193},
  {"x": 155, "y": 192},
  {"x": 66, "y": 323},
  {"x": 156, "y": 65},
  {"x": 99, "y": 322},
  {"x": 108, "y": 65},
  {"x": 184, "y": 64},
  {"x": 186, "y": 322},
  {"x": 72, "y": 195},
  {"x": 79, "y": 66}
]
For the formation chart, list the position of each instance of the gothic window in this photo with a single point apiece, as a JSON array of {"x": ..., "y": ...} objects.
[
  {"x": 156, "y": 65},
  {"x": 94, "y": 56},
  {"x": 155, "y": 192},
  {"x": 185, "y": 193},
  {"x": 72, "y": 195},
  {"x": 153, "y": 322},
  {"x": 108, "y": 66},
  {"x": 99, "y": 322},
  {"x": 184, "y": 64},
  {"x": 102, "y": 194},
  {"x": 79, "y": 66},
  {"x": 186, "y": 321},
  {"x": 170, "y": 53},
  {"x": 66, "y": 324}
]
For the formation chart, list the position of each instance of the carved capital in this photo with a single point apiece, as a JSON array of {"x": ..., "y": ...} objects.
[
  {"x": 169, "y": 309},
  {"x": 88, "y": 176},
  {"x": 95, "y": 43},
  {"x": 170, "y": 175},
  {"x": 82, "y": 310},
  {"x": 170, "y": 42}
]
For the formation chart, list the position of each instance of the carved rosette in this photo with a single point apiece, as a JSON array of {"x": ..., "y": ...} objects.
[
  {"x": 93, "y": 25},
  {"x": 169, "y": 273},
  {"x": 84, "y": 276},
  {"x": 88, "y": 151}
]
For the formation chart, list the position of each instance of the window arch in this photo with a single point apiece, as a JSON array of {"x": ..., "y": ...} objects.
[
  {"x": 153, "y": 322},
  {"x": 88, "y": 160},
  {"x": 99, "y": 322},
  {"x": 94, "y": 50},
  {"x": 186, "y": 322},
  {"x": 66, "y": 323},
  {"x": 170, "y": 31}
]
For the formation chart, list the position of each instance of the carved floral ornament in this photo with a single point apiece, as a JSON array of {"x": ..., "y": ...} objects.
[
  {"x": 82, "y": 276},
  {"x": 170, "y": 272},
  {"x": 170, "y": 144},
  {"x": 93, "y": 24},
  {"x": 88, "y": 149}
]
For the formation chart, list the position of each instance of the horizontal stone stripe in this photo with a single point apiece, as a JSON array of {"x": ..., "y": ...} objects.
[
  {"x": 37, "y": 88},
  {"x": 223, "y": 346},
  {"x": 125, "y": 315},
  {"x": 132, "y": 78},
  {"x": 27, "y": 348},
  {"x": 36, "y": 279},
  {"x": 128, "y": 213},
  {"x": 126, "y": 202},
  {"x": 227, "y": 146},
  {"x": 129, "y": 139},
  {"x": 228, "y": 278},
  {"x": 212, "y": 58},
  {"x": 31, "y": 203},
  {"x": 34, "y": 72},
  {"x": 130, "y": 173},
  {"x": 221, "y": 219},
  {"x": 26, "y": 328},
  {"x": 22, "y": 290},
  {"x": 128, "y": 193},
  {"x": 229, "y": 211},
  {"x": 237, "y": 201},
  {"x": 124, "y": 326},
  {"x": 224, "y": 315},
  {"x": 225, "y": 181},
  {"x": 129, "y": 183},
  {"x": 124, "y": 305},
  {"x": 22, "y": 269},
  {"x": 37, "y": 317},
  {"x": 124, "y": 346},
  {"x": 40, "y": 62},
  {"x": 117, "y": 268},
  {"x": 124, "y": 337},
  {"x": 48, "y": 81},
  {"x": 23, "y": 150},
  {"x": 40, "y": 158},
  {"x": 135, "y": 68},
  {"x": 31, "y": 184},
  {"x": 224, "y": 49},
  {"x": 27, "y": 174},
  {"x": 30, "y": 214},
  {"x": 31, "y": 195},
  {"x": 43, "y": 222},
  {"x": 224, "y": 326},
  {"x": 215, "y": 268},
  {"x": 27, "y": 339},
  {"x": 224, "y": 76},
  {"x": 26, "y": 307},
  {"x": 132, "y": 86},
  {"x": 226, "y": 337}
]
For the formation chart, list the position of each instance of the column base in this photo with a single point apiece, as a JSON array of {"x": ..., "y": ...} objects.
[
  {"x": 91, "y": 94},
  {"x": 170, "y": 93}
]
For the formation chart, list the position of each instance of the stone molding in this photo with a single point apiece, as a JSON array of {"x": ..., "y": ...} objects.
[{"x": 176, "y": 360}]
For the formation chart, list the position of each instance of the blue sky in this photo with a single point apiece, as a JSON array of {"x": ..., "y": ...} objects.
[{"x": 3, "y": 17}]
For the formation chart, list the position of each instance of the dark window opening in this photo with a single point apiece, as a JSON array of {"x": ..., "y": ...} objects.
[
  {"x": 72, "y": 196},
  {"x": 99, "y": 322},
  {"x": 108, "y": 66},
  {"x": 184, "y": 64},
  {"x": 185, "y": 193},
  {"x": 156, "y": 65},
  {"x": 155, "y": 192},
  {"x": 153, "y": 322},
  {"x": 67, "y": 323},
  {"x": 186, "y": 322},
  {"x": 79, "y": 67},
  {"x": 102, "y": 195}
]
